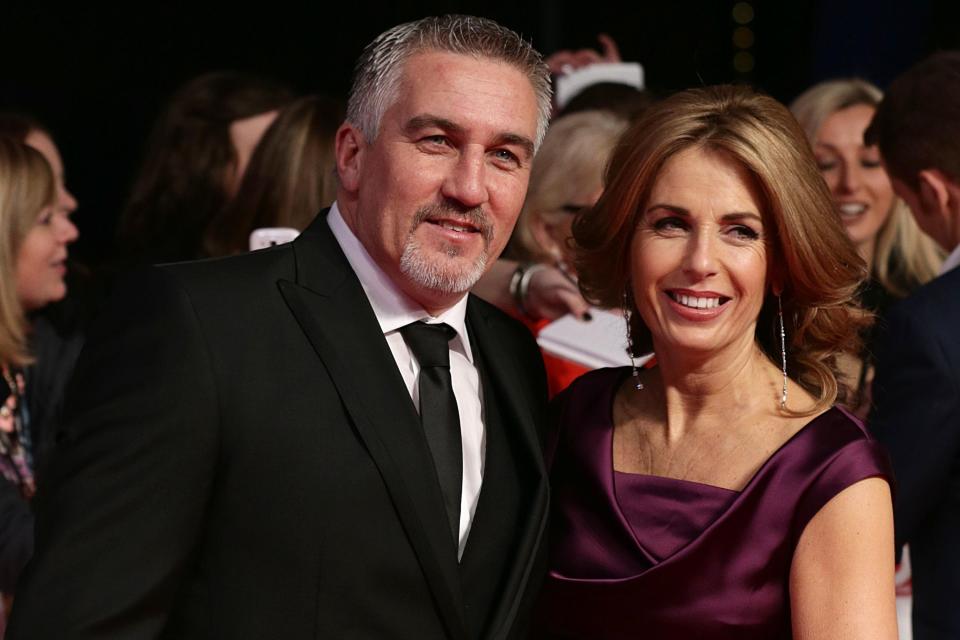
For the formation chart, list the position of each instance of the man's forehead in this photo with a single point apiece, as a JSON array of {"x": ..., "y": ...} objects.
[{"x": 458, "y": 82}]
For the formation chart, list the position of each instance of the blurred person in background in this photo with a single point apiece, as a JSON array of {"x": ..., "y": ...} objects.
[
  {"x": 35, "y": 230},
  {"x": 900, "y": 256},
  {"x": 916, "y": 412},
  {"x": 194, "y": 162},
  {"x": 567, "y": 178},
  {"x": 57, "y": 329},
  {"x": 290, "y": 178}
]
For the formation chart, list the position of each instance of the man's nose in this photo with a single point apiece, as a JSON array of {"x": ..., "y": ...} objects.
[{"x": 466, "y": 181}]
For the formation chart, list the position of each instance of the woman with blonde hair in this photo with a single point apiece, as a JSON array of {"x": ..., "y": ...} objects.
[
  {"x": 566, "y": 179},
  {"x": 34, "y": 234},
  {"x": 900, "y": 257},
  {"x": 720, "y": 494}
]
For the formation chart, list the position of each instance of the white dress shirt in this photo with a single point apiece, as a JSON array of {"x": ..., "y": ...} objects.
[{"x": 395, "y": 310}]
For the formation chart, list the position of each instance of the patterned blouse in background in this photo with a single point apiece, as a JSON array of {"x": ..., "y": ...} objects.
[{"x": 15, "y": 459}]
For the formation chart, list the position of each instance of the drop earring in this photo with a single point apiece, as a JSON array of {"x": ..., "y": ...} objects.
[
  {"x": 633, "y": 363},
  {"x": 783, "y": 354}
]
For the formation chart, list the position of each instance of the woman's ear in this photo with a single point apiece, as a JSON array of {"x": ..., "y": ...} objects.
[
  {"x": 776, "y": 283},
  {"x": 542, "y": 233}
]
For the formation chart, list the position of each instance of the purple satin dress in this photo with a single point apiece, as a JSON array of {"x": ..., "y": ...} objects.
[{"x": 644, "y": 557}]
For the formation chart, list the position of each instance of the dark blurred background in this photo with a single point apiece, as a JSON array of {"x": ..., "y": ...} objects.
[{"x": 98, "y": 77}]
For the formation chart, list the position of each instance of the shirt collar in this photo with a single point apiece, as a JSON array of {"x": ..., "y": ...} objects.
[
  {"x": 952, "y": 261},
  {"x": 393, "y": 308}
]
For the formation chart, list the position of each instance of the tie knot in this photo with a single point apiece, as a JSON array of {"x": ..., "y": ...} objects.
[{"x": 430, "y": 343}]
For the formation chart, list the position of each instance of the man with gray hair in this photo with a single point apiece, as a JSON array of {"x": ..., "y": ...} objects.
[{"x": 327, "y": 439}]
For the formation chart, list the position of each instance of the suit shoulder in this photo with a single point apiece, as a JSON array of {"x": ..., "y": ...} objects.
[
  {"x": 245, "y": 271},
  {"x": 936, "y": 301},
  {"x": 502, "y": 321}
]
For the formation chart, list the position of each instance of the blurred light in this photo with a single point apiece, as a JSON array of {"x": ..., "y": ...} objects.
[
  {"x": 742, "y": 12},
  {"x": 743, "y": 37},
  {"x": 743, "y": 62}
]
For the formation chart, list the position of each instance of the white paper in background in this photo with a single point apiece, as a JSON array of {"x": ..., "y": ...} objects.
[
  {"x": 570, "y": 84},
  {"x": 596, "y": 343}
]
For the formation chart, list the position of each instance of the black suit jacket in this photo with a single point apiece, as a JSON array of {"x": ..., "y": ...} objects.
[
  {"x": 916, "y": 416},
  {"x": 241, "y": 459}
]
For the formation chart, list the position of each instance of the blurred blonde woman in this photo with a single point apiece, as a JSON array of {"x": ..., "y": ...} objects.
[
  {"x": 900, "y": 257},
  {"x": 34, "y": 234},
  {"x": 566, "y": 178}
]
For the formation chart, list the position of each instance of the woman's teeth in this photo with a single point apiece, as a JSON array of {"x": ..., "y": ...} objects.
[
  {"x": 694, "y": 302},
  {"x": 852, "y": 208}
]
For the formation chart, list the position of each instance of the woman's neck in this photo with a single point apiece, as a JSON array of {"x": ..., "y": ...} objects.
[
  {"x": 867, "y": 250},
  {"x": 703, "y": 392}
]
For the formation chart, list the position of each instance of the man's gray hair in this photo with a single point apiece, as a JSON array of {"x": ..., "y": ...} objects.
[{"x": 376, "y": 77}]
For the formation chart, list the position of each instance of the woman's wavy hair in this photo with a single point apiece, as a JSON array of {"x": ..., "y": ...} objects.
[
  {"x": 905, "y": 257},
  {"x": 189, "y": 161},
  {"x": 810, "y": 257},
  {"x": 26, "y": 187}
]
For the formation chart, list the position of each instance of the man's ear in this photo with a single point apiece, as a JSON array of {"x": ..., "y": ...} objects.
[
  {"x": 935, "y": 193},
  {"x": 350, "y": 148}
]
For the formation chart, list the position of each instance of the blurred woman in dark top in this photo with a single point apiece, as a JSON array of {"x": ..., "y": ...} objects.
[
  {"x": 34, "y": 233},
  {"x": 57, "y": 330}
]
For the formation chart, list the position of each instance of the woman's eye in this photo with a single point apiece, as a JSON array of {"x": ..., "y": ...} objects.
[
  {"x": 870, "y": 164},
  {"x": 826, "y": 165},
  {"x": 743, "y": 232},
  {"x": 669, "y": 224}
]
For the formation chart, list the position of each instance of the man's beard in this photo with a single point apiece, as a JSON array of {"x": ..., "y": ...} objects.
[{"x": 435, "y": 273}]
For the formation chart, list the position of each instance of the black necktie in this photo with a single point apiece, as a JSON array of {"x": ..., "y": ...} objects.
[{"x": 439, "y": 417}]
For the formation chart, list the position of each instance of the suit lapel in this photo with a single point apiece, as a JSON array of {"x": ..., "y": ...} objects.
[
  {"x": 334, "y": 313},
  {"x": 507, "y": 409}
]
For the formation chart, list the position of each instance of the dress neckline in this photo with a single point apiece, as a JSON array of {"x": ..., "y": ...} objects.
[
  {"x": 608, "y": 444},
  {"x": 654, "y": 479},
  {"x": 610, "y": 473}
]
